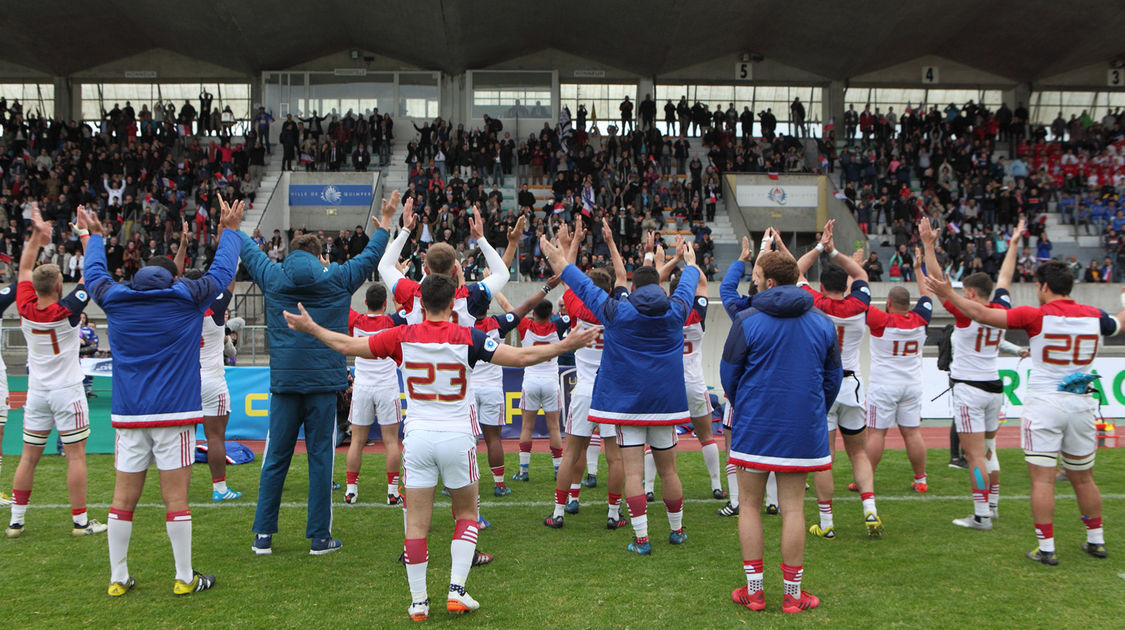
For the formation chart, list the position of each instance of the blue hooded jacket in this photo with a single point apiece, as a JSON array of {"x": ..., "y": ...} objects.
[
  {"x": 644, "y": 350},
  {"x": 298, "y": 362},
  {"x": 781, "y": 370}
]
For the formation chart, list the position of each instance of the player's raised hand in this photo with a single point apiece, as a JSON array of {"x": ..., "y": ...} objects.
[
  {"x": 554, "y": 281},
  {"x": 555, "y": 256},
  {"x": 388, "y": 210},
  {"x": 93, "y": 223},
  {"x": 231, "y": 217},
  {"x": 1017, "y": 234},
  {"x": 607, "y": 233},
  {"x": 516, "y": 233},
  {"x": 747, "y": 253},
  {"x": 409, "y": 217},
  {"x": 581, "y": 339},
  {"x": 403, "y": 264},
  {"x": 576, "y": 242},
  {"x": 301, "y": 322},
  {"x": 184, "y": 234},
  {"x": 686, "y": 251},
  {"x": 939, "y": 286},
  {"x": 926, "y": 231},
  {"x": 476, "y": 225},
  {"x": 564, "y": 236},
  {"x": 649, "y": 243},
  {"x": 826, "y": 234},
  {"x": 857, "y": 255}
]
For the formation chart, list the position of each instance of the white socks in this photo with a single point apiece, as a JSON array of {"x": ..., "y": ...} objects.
[
  {"x": 120, "y": 531},
  {"x": 650, "y": 470},
  {"x": 732, "y": 484},
  {"x": 711, "y": 460},
  {"x": 178, "y": 525}
]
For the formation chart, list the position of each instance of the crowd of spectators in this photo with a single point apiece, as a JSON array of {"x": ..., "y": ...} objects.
[
  {"x": 145, "y": 181},
  {"x": 943, "y": 164}
]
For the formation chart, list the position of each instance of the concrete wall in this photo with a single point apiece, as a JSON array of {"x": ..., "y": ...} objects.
[{"x": 328, "y": 218}]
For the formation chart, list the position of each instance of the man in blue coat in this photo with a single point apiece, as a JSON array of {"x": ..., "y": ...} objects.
[
  {"x": 781, "y": 370},
  {"x": 304, "y": 374}
]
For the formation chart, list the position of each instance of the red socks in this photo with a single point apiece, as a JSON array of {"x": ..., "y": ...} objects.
[
  {"x": 637, "y": 505},
  {"x": 353, "y": 477},
  {"x": 416, "y": 551},
  {"x": 560, "y": 497},
  {"x": 120, "y": 515},
  {"x": 555, "y": 452},
  {"x": 21, "y": 497},
  {"x": 525, "y": 447}
]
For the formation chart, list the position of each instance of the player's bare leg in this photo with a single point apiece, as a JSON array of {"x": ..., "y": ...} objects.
[
  {"x": 823, "y": 484},
  {"x": 672, "y": 491},
  {"x": 633, "y": 460},
  {"x": 555, "y": 439},
  {"x": 495, "y": 448},
  {"x": 992, "y": 463},
  {"x": 463, "y": 548},
  {"x": 393, "y": 446},
  {"x": 23, "y": 481},
  {"x": 354, "y": 461},
  {"x": 567, "y": 480},
  {"x": 215, "y": 429},
  {"x": 875, "y": 443},
  {"x": 1043, "y": 510},
  {"x": 126, "y": 492},
  {"x": 855, "y": 444},
  {"x": 702, "y": 426},
  {"x": 420, "y": 504},
  {"x": 733, "y": 495},
  {"x": 527, "y": 424},
  {"x": 973, "y": 446},
  {"x": 615, "y": 484},
  {"x": 1089, "y": 503},
  {"x": 916, "y": 453},
  {"x": 791, "y": 495}
]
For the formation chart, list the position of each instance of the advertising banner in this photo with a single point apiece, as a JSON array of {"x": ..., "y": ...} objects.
[{"x": 330, "y": 195}]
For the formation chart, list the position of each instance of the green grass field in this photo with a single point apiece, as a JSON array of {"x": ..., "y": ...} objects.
[{"x": 924, "y": 572}]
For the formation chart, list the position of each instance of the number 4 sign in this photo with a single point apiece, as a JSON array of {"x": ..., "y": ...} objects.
[{"x": 929, "y": 74}]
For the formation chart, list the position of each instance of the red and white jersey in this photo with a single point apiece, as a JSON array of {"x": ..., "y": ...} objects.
[
  {"x": 52, "y": 337},
  {"x": 214, "y": 338},
  {"x": 587, "y": 359},
  {"x": 533, "y": 333},
  {"x": 1064, "y": 339},
  {"x": 850, "y": 318},
  {"x": 435, "y": 359},
  {"x": 693, "y": 341},
  {"x": 374, "y": 373},
  {"x": 408, "y": 293},
  {"x": 975, "y": 347},
  {"x": 487, "y": 375},
  {"x": 896, "y": 344}
]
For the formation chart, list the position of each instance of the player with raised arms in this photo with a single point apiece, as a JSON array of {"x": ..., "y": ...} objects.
[
  {"x": 56, "y": 398},
  {"x": 1058, "y": 413},
  {"x": 847, "y": 308},
  {"x": 441, "y": 430},
  {"x": 643, "y": 335}
]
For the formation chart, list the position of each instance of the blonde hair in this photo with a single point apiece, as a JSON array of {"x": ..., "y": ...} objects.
[{"x": 45, "y": 279}]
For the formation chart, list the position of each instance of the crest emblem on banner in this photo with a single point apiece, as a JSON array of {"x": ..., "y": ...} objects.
[
  {"x": 777, "y": 195},
  {"x": 331, "y": 194}
]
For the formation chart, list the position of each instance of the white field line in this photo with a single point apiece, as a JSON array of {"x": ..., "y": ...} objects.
[{"x": 490, "y": 505}]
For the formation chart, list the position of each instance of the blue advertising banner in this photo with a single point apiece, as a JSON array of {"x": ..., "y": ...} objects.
[
  {"x": 250, "y": 403},
  {"x": 330, "y": 195}
]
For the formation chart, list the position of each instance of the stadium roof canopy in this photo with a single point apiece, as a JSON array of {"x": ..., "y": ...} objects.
[{"x": 1022, "y": 40}]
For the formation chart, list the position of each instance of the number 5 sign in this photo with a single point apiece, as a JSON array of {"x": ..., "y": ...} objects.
[
  {"x": 929, "y": 74},
  {"x": 744, "y": 71}
]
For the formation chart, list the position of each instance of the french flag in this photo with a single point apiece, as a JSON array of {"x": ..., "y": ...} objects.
[{"x": 168, "y": 183}]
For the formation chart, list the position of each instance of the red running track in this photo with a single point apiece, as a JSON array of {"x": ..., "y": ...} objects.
[{"x": 934, "y": 436}]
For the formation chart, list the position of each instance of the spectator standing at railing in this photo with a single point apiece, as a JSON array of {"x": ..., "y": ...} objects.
[{"x": 626, "y": 108}]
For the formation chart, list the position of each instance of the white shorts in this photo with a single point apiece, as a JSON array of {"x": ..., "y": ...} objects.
[
  {"x": 540, "y": 394},
  {"x": 975, "y": 410},
  {"x": 851, "y": 392},
  {"x": 699, "y": 401},
  {"x": 490, "y": 406},
  {"x": 216, "y": 396},
  {"x": 658, "y": 437},
  {"x": 1059, "y": 422},
  {"x": 426, "y": 455},
  {"x": 848, "y": 417},
  {"x": 888, "y": 405},
  {"x": 578, "y": 418},
  {"x": 369, "y": 403},
  {"x": 63, "y": 409},
  {"x": 170, "y": 447}
]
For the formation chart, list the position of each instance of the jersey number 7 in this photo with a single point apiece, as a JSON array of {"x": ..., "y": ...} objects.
[{"x": 51, "y": 333}]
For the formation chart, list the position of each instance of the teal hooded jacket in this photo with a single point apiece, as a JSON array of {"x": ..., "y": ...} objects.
[{"x": 299, "y": 364}]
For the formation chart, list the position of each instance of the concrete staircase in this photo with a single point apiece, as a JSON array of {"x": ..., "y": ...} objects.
[{"x": 266, "y": 188}]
